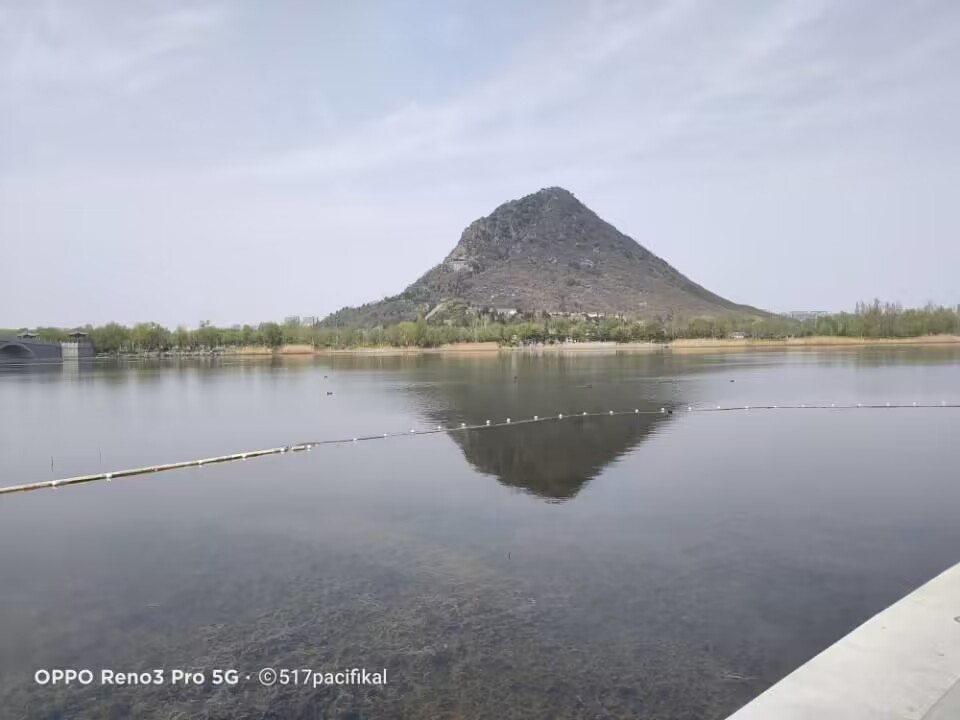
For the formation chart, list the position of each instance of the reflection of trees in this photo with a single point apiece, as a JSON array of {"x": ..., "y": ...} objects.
[{"x": 880, "y": 356}]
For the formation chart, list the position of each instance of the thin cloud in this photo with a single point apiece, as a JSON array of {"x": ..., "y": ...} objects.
[
  {"x": 723, "y": 136},
  {"x": 55, "y": 45},
  {"x": 539, "y": 109},
  {"x": 498, "y": 117}
]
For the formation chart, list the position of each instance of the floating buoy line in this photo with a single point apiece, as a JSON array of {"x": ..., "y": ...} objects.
[{"x": 462, "y": 427}]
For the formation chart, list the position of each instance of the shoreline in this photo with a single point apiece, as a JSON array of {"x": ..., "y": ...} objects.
[
  {"x": 814, "y": 341},
  {"x": 486, "y": 348},
  {"x": 683, "y": 345}
]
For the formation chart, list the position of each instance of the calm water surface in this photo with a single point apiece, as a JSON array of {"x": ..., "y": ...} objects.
[{"x": 642, "y": 566}]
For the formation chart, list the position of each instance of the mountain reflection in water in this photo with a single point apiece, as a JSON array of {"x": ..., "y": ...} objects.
[{"x": 553, "y": 459}]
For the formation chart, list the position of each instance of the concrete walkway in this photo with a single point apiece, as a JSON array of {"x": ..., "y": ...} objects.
[
  {"x": 949, "y": 706},
  {"x": 903, "y": 664}
]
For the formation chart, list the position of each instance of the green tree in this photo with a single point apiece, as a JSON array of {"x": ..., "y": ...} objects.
[
  {"x": 208, "y": 336},
  {"x": 110, "y": 338},
  {"x": 272, "y": 334},
  {"x": 182, "y": 338}
]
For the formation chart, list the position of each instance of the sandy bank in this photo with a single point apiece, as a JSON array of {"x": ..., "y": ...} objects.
[
  {"x": 819, "y": 341},
  {"x": 693, "y": 345}
]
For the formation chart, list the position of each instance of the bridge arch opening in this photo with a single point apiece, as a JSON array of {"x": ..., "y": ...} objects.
[{"x": 15, "y": 351}]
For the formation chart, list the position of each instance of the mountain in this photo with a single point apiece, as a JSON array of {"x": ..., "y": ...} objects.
[{"x": 548, "y": 251}]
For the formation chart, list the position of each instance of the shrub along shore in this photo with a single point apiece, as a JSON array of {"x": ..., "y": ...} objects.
[{"x": 869, "y": 324}]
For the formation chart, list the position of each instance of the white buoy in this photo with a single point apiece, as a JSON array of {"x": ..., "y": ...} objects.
[
  {"x": 439, "y": 427},
  {"x": 412, "y": 430},
  {"x": 488, "y": 422},
  {"x": 859, "y": 405},
  {"x": 354, "y": 439},
  {"x": 536, "y": 417},
  {"x": 689, "y": 409},
  {"x": 384, "y": 434},
  {"x": 611, "y": 412},
  {"x": 463, "y": 425},
  {"x": 508, "y": 420},
  {"x": 888, "y": 404},
  {"x": 108, "y": 476},
  {"x": 833, "y": 404},
  {"x": 746, "y": 407},
  {"x": 636, "y": 410},
  {"x": 584, "y": 412},
  {"x": 803, "y": 405},
  {"x": 560, "y": 416},
  {"x": 914, "y": 404}
]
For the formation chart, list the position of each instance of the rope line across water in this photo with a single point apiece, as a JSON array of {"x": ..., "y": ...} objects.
[{"x": 463, "y": 427}]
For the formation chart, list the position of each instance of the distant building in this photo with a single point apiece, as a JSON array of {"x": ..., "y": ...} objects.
[
  {"x": 291, "y": 320},
  {"x": 27, "y": 335},
  {"x": 77, "y": 347},
  {"x": 310, "y": 320},
  {"x": 738, "y": 336}
]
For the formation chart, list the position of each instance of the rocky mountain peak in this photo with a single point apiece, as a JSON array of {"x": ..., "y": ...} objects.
[{"x": 547, "y": 251}]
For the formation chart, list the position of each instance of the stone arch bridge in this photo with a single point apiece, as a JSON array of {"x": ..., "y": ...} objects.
[{"x": 31, "y": 349}]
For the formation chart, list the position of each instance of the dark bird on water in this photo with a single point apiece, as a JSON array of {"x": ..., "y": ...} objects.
[{"x": 329, "y": 393}]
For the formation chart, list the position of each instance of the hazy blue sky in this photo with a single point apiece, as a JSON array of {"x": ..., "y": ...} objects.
[{"x": 241, "y": 161}]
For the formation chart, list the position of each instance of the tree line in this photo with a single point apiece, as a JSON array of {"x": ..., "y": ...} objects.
[{"x": 869, "y": 320}]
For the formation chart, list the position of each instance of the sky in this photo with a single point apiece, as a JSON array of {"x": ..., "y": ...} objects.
[{"x": 179, "y": 161}]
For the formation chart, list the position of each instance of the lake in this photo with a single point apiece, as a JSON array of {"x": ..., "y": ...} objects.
[{"x": 660, "y": 566}]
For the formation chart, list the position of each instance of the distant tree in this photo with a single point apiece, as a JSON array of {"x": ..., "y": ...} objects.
[
  {"x": 272, "y": 334},
  {"x": 462, "y": 324},
  {"x": 250, "y": 336},
  {"x": 182, "y": 338},
  {"x": 149, "y": 337},
  {"x": 52, "y": 334},
  {"x": 208, "y": 336},
  {"x": 110, "y": 338}
]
